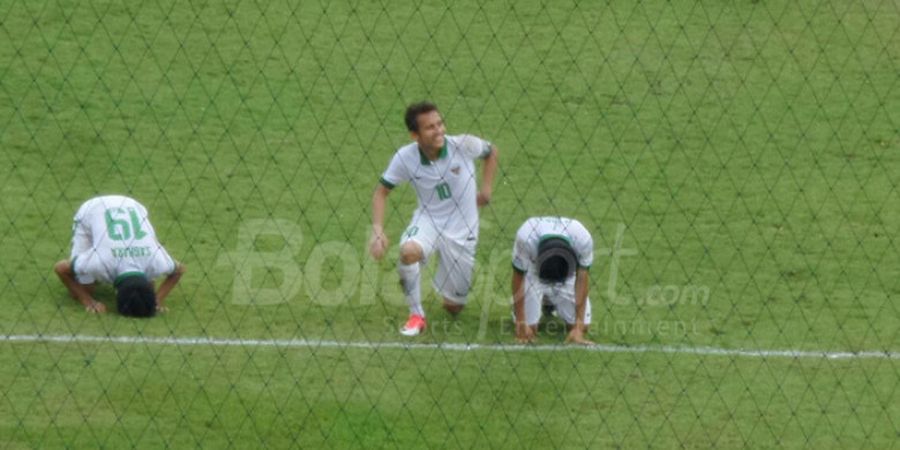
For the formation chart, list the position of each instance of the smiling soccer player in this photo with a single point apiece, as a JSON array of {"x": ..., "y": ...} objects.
[{"x": 441, "y": 169}]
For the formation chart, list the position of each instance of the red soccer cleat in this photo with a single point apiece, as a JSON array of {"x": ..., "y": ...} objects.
[{"x": 414, "y": 325}]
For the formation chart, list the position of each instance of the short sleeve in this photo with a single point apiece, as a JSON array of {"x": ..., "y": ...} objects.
[
  {"x": 584, "y": 246},
  {"x": 474, "y": 147},
  {"x": 397, "y": 172},
  {"x": 523, "y": 253},
  {"x": 89, "y": 267},
  {"x": 161, "y": 264}
]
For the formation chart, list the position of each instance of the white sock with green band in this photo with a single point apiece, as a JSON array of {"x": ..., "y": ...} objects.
[{"x": 409, "y": 280}]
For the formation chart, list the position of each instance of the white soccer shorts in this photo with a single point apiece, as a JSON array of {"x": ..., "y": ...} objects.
[
  {"x": 561, "y": 295},
  {"x": 456, "y": 258}
]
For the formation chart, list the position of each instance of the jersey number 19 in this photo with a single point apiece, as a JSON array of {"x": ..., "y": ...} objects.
[{"x": 118, "y": 226}]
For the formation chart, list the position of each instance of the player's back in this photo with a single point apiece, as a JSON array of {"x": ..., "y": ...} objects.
[
  {"x": 113, "y": 219},
  {"x": 537, "y": 227}
]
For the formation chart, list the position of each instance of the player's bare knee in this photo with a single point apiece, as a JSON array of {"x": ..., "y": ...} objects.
[
  {"x": 453, "y": 307},
  {"x": 410, "y": 252},
  {"x": 61, "y": 267}
]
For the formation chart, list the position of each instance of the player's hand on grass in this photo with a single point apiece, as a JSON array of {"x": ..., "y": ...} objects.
[
  {"x": 378, "y": 243},
  {"x": 524, "y": 334},
  {"x": 95, "y": 307},
  {"x": 162, "y": 309},
  {"x": 576, "y": 336},
  {"x": 484, "y": 196}
]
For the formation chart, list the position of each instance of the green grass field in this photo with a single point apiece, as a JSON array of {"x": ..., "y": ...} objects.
[{"x": 737, "y": 165}]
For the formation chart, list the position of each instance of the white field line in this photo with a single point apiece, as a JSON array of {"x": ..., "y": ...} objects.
[{"x": 305, "y": 343}]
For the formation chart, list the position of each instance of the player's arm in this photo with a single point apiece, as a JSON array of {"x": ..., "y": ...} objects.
[
  {"x": 491, "y": 162},
  {"x": 167, "y": 285},
  {"x": 582, "y": 287},
  {"x": 524, "y": 333},
  {"x": 64, "y": 271},
  {"x": 378, "y": 243}
]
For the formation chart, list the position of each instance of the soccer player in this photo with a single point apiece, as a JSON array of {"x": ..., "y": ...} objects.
[
  {"x": 114, "y": 242},
  {"x": 441, "y": 169},
  {"x": 551, "y": 259}
]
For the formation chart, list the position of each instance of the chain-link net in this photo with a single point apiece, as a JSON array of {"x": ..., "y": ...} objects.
[{"x": 736, "y": 164}]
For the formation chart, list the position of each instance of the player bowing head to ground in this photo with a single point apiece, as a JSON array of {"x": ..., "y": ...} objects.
[
  {"x": 441, "y": 169},
  {"x": 551, "y": 259},
  {"x": 114, "y": 242}
]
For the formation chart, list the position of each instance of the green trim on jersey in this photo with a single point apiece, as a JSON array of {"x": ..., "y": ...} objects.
[
  {"x": 518, "y": 269},
  {"x": 554, "y": 236},
  {"x": 72, "y": 265},
  {"x": 387, "y": 183},
  {"x": 441, "y": 155},
  {"x": 125, "y": 275}
]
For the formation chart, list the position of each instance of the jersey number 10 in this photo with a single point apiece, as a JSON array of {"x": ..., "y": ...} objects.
[{"x": 118, "y": 226}]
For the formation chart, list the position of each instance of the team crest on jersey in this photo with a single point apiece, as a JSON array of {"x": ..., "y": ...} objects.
[{"x": 455, "y": 170}]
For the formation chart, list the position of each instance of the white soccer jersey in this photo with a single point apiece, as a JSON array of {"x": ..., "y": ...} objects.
[
  {"x": 112, "y": 236},
  {"x": 536, "y": 229},
  {"x": 446, "y": 188}
]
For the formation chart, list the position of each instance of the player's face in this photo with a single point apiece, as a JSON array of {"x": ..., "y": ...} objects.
[{"x": 430, "y": 136}]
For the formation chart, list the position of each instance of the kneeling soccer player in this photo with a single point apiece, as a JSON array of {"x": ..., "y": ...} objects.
[
  {"x": 441, "y": 169},
  {"x": 114, "y": 242},
  {"x": 551, "y": 259}
]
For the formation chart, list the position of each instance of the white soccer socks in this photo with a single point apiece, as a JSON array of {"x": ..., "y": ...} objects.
[{"x": 409, "y": 280}]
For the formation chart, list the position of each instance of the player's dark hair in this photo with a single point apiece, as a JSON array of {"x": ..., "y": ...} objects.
[
  {"x": 135, "y": 297},
  {"x": 556, "y": 260},
  {"x": 414, "y": 111}
]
